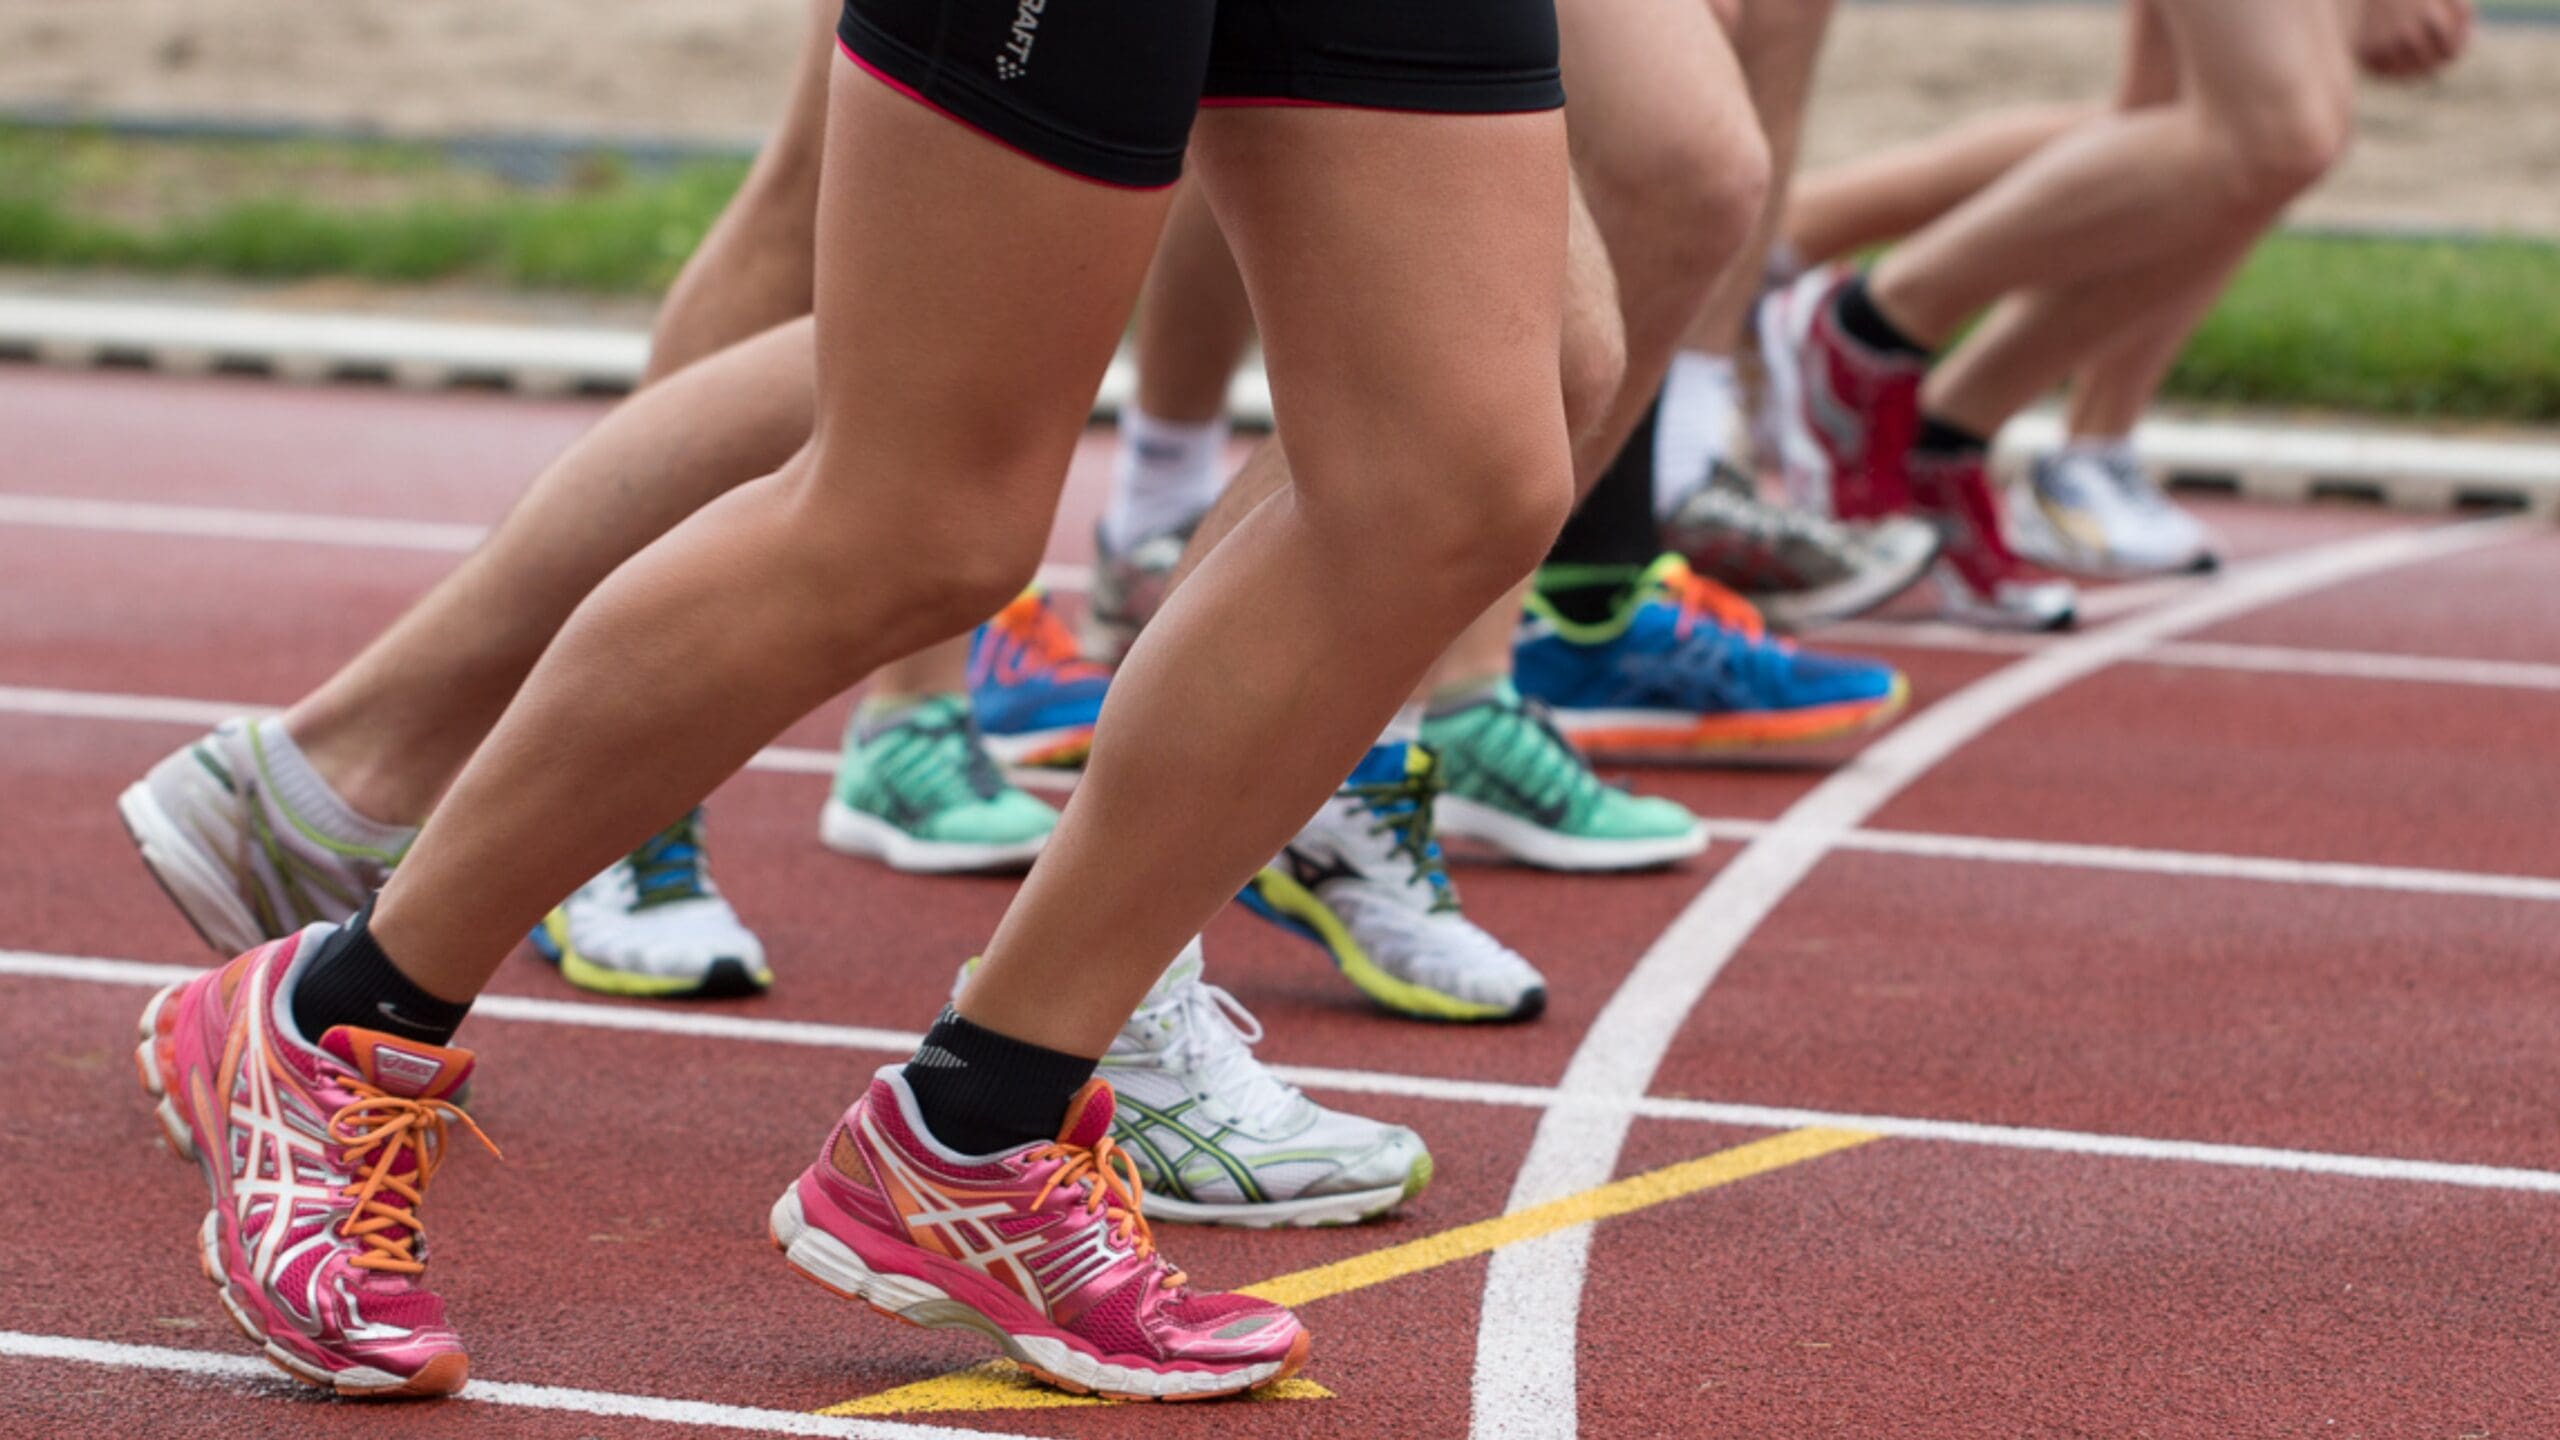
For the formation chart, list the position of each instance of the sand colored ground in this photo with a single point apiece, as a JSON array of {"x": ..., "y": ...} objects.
[{"x": 2480, "y": 149}]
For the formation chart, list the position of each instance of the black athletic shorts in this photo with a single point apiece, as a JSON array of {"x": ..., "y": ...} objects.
[{"x": 1106, "y": 89}]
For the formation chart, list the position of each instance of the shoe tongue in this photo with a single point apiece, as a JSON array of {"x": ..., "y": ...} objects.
[
  {"x": 397, "y": 1066},
  {"x": 1186, "y": 967},
  {"x": 1088, "y": 1115}
]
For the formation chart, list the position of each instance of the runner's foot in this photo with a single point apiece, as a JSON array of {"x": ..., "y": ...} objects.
[
  {"x": 1686, "y": 666},
  {"x": 316, "y": 1157},
  {"x": 1041, "y": 1248},
  {"x": 1366, "y": 880},
  {"x": 1036, "y": 697},
  {"x": 654, "y": 925},
  {"x": 917, "y": 790},
  {"x": 1517, "y": 784}
]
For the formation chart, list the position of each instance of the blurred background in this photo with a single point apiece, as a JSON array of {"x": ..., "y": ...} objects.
[{"x": 493, "y": 157}]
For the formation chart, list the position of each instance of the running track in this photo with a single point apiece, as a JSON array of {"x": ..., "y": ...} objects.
[{"x": 2157, "y": 1034}]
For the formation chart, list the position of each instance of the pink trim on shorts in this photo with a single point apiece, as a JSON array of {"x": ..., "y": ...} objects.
[{"x": 909, "y": 91}]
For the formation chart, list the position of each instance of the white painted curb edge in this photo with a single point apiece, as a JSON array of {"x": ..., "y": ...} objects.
[{"x": 2261, "y": 460}]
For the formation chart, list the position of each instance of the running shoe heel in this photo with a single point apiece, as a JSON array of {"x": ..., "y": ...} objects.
[{"x": 150, "y": 1066}]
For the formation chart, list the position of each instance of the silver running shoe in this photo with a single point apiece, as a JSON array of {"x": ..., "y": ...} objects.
[
  {"x": 1798, "y": 568},
  {"x": 244, "y": 865},
  {"x": 1128, "y": 588},
  {"x": 2099, "y": 513}
]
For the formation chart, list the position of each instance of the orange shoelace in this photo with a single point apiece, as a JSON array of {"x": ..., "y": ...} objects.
[
  {"x": 1111, "y": 1187},
  {"x": 386, "y": 1126},
  {"x": 1697, "y": 595},
  {"x": 1040, "y": 632}
]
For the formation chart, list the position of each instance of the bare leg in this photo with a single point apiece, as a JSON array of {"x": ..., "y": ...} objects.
[
  {"x": 2265, "y": 89},
  {"x": 2263, "y": 112},
  {"x": 1371, "y": 244},
  {"x": 1837, "y": 211},
  {"x": 1776, "y": 43},
  {"x": 915, "y": 510},
  {"x": 1194, "y": 321}
]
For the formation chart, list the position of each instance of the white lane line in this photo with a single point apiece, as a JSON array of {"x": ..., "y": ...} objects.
[
  {"x": 161, "y": 1359},
  {"x": 207, "y": 522},
  {"x": 28, "y": 964},
  {"x": 2190, "y": 864},
  {"x": 362, "y": 532},
  {"x": 802, "y": 760},
  {"x": 1526, "y": 1337}
]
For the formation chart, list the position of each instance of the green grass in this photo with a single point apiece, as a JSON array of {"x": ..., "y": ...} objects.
[
  {"x": 2412, "y": 327},
  {"x": 2403, "y": 327}
]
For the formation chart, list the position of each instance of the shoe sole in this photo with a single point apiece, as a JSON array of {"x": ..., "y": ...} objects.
[
  {"x": 204, "y": 892},
  {"x": 441, "y": 1376},
  {"x": 1844, "y": 599},
  {"x": 1638, "y": 734},
  {"x": 1310, "y": 1213},
  {"x": 1956, "y": 603},
  {"x": 1277, "y": 896},
  {"x": 727, "y": 978},
  {"x": 1533, "y": 844},
  {"x": 833, "y": 1265},
  {"x": 848, "y": 831},
  {"x": 1061, "y": 749}
]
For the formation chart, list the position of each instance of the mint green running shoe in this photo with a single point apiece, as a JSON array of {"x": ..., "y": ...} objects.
[
  {"x": 921, "y": 795},
  {"x": 1517, "y": 784}
]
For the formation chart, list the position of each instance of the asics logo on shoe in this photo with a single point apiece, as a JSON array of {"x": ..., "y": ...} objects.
[
  {"x": 1014, "y": 60},
  {"x": 1549, "y": 813}
]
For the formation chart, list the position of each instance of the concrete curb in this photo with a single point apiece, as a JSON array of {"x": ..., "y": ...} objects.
[{"x": 2266, "y": 460}]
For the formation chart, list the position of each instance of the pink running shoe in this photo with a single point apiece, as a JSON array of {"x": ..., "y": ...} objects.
[
  {"x": 1041, "y": 1248},
  {"x": 316, "y": 1158},
  {"x": 1846, "y": 414}
]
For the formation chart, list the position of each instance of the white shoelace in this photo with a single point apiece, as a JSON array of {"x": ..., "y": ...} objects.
[{"x": 1213, "y": 1038}]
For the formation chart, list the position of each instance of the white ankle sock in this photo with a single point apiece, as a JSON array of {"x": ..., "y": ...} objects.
[
  {"x": 1701, "y": 410},
  {"x": 1166, "y": 475}
]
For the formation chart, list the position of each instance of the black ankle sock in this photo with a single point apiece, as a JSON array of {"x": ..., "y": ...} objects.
[
  {"x": 981, "y": 1092},
  {"x": 352, "y": 982},
  {"x": 1868, "y": 326},
  {"x": 1953, "y": 442}
]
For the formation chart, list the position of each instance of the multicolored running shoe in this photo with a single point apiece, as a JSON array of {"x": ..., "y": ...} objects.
[
  {"x": 218, "y": 826},
  {"x": 654, "y": 926},
  {"x": 1517, "y": 784},
  {"x": 1366, "y": 881},
  {"x": 1035, "y": 694},
  {"x": 1129, "y": 586},
  {"x": 1042, "y": 1249},
  {"x": 921, "y": 794},
  {"x": 1220, "y": 1140},
  {"x": 1798, "y": 568},
  {"x": 316, "y": 1157},
  {"x": 1686, "y": 666}
]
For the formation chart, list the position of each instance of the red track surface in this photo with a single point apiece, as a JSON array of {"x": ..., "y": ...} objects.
[{"x": 1903, "y": 1287}]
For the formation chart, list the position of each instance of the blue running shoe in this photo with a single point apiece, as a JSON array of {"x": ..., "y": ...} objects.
[
  {"x": 1686, "y": 666},
  {"x": 1035, "y": 694}
]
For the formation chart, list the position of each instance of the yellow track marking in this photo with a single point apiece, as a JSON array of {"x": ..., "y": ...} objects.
[{"x": 1002, "y": 1385}]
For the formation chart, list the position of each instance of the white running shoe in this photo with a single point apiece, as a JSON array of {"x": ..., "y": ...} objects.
[
  {"x": 654, "y": 925},
  {"x": 1366, "y": 880},
  {"x": 1220, "y": 1140},
  {"x": 249, "y": 841},
  {"x": 2094, "y": 510}
]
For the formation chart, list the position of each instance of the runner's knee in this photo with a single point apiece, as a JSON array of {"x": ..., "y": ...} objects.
[
  {"x": 2276, "y": 151},
  {"x": 1675, "y": 214}
]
